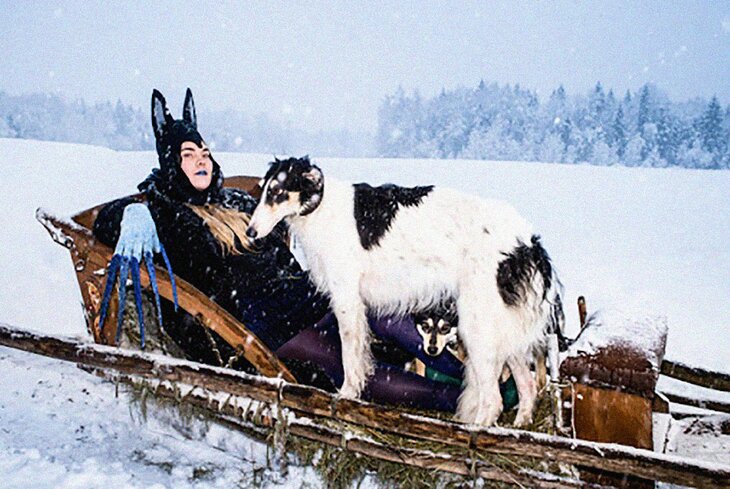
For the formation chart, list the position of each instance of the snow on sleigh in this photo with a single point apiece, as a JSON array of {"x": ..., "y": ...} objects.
[{"x": 603, "y": 424}]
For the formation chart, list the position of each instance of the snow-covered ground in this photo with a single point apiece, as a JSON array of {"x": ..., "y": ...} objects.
[{"x": 647, "y": 241}]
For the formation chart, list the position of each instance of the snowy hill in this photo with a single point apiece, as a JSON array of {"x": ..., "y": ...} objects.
[{"x": 642, "y": 240}]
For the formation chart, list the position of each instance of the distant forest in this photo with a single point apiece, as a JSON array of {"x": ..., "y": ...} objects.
[
  {"x": 489, "y": 122},
  {"x": 493, "y": 122},
  {"x": 123, "y": 127}
]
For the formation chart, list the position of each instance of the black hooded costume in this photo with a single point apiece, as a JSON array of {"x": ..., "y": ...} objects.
[{"x": 266, "y": 289}]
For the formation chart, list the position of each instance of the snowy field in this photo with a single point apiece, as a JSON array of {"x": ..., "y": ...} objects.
[{"x": 647, "y": 241}]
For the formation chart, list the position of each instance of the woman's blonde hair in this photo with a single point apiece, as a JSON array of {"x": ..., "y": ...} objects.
[{"x": 226, "y": 225}]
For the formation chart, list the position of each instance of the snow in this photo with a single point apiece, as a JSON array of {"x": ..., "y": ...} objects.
[
  {"x": 650, "y": 242},
  {"x": 608, "y": 327},
  {"x": 691, "y": 436},
  {"x": 62, "y": 427}
]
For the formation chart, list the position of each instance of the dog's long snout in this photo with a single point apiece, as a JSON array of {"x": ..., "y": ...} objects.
[{"x": 251, "y": 232}]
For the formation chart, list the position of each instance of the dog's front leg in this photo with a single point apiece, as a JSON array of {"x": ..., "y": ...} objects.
[{"x": 357, "y": 361}]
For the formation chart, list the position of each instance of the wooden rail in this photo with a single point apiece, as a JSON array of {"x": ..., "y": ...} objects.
[
  {"x": 698, "y": 376},
  {"x": 719, "y": 406}
]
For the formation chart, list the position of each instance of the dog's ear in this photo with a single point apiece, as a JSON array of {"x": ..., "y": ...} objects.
[
  {"x": 189, "y": 109},
  {"x": 160, "y": 115},
  {"x": 314, "y": 176}
]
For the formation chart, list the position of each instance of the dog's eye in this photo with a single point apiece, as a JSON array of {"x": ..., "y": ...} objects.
[
  {"x": 425, "y": 327},
  {"x": 445, "y": 327}
]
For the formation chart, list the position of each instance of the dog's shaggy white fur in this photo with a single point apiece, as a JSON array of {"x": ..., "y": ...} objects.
[{"x": 448, "y": 245}]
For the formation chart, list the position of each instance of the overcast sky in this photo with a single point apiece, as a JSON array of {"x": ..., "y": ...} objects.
[{"x": 328, "y": 64}]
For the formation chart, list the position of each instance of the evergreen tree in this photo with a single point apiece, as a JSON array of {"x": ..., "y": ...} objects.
[
  {"x": 398, "y": 131},
  {"x": 711, "y": 128},
  {"x": 690, "y": 154},
  {"x": 551, "y": 149},
  {"x": 603, "y": 154},
  {"x": 596, "y": 108},
  {"x": 565, "y": 129},
  {"x": 5, "y": 130},
  {"x": 619, "y": 132},
  {"x": 633, "y": 156},
  {"x": 644, "y": 115},
  {"x": 668, "y": 138}
]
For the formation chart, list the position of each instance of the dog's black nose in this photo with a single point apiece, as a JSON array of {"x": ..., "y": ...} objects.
[
  {"x": 251, "y": 233},
  {"x": 431, "y": 350}
]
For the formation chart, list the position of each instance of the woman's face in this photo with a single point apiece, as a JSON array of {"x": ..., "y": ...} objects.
[{"x": 196, "y": 164}]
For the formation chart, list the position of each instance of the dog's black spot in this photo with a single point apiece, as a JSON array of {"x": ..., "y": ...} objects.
[
  {"x": 294, "y": 169},
  {"x": 515, "y": 272},
  {"x": 376, "y": 207},
  {"x": 277, "y": 194}
]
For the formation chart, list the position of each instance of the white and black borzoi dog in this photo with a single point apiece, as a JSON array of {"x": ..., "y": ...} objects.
[{"x": 394, "y": 250}]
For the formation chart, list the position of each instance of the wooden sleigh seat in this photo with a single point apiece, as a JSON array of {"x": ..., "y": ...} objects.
[{"x": 91, "y": 258}]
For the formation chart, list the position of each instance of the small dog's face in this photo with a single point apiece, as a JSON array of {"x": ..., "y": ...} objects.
[
  {"x": 437, "y": 333},
  {"x": 290, "y": 187}
]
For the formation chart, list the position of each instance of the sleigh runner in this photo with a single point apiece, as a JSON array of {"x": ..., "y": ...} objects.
[{"x": 606, "y": 395}]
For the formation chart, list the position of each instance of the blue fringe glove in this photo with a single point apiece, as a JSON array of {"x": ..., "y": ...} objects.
[{"x": 137, "y": 240}]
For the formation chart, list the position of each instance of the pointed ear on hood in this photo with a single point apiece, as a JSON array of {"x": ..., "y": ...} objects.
[
  {"x": 189, "y": 110},
  {"x": 161, "y": 117}
]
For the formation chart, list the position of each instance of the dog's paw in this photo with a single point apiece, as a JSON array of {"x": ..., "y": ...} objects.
[
  {"x": 523, "y": 420},
  {"x": 349, "y": 391}
]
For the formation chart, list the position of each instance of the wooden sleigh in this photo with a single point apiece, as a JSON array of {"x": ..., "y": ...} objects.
[{"x": 603, "y": 405}]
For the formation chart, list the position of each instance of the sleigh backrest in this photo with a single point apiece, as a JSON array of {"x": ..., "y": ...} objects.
[{"x": 91, "y": 257}]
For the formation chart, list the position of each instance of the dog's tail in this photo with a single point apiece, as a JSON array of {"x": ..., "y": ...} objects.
[
  {"x": 526, "y": 278},
  {"x": 552, "y": 292},
  {"x": 552, "y": 305}
]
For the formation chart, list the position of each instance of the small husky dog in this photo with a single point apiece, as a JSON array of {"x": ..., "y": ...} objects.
[{"x": 438, "y": 331}]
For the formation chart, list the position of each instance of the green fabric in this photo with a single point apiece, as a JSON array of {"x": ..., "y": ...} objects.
[
  {"x": 508, "y": 388},
  {"x": 434, "y": 374}
]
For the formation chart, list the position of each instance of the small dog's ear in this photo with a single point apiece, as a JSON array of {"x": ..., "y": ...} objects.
[
  {"x": 160, "y": 115},
  {"x": 189, "y": 109},
  {"x": 314, "y": 175}
]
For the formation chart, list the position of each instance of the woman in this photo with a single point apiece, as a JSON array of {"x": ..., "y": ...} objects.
[{"x": 202, "y": 226}]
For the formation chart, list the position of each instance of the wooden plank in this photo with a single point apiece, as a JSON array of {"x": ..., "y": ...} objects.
[
  {"x": 401, "y": 422},
  {"x": 695, "y": 375},
  {"x": 607, "y": 457},
  {"x": 143, "y": 364},
  {"x": 610, "y": 416},
  {"x": 719, "y": 406},
  {"x": 313, "y": 429},
  {"x": 317, "y": 402}
]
